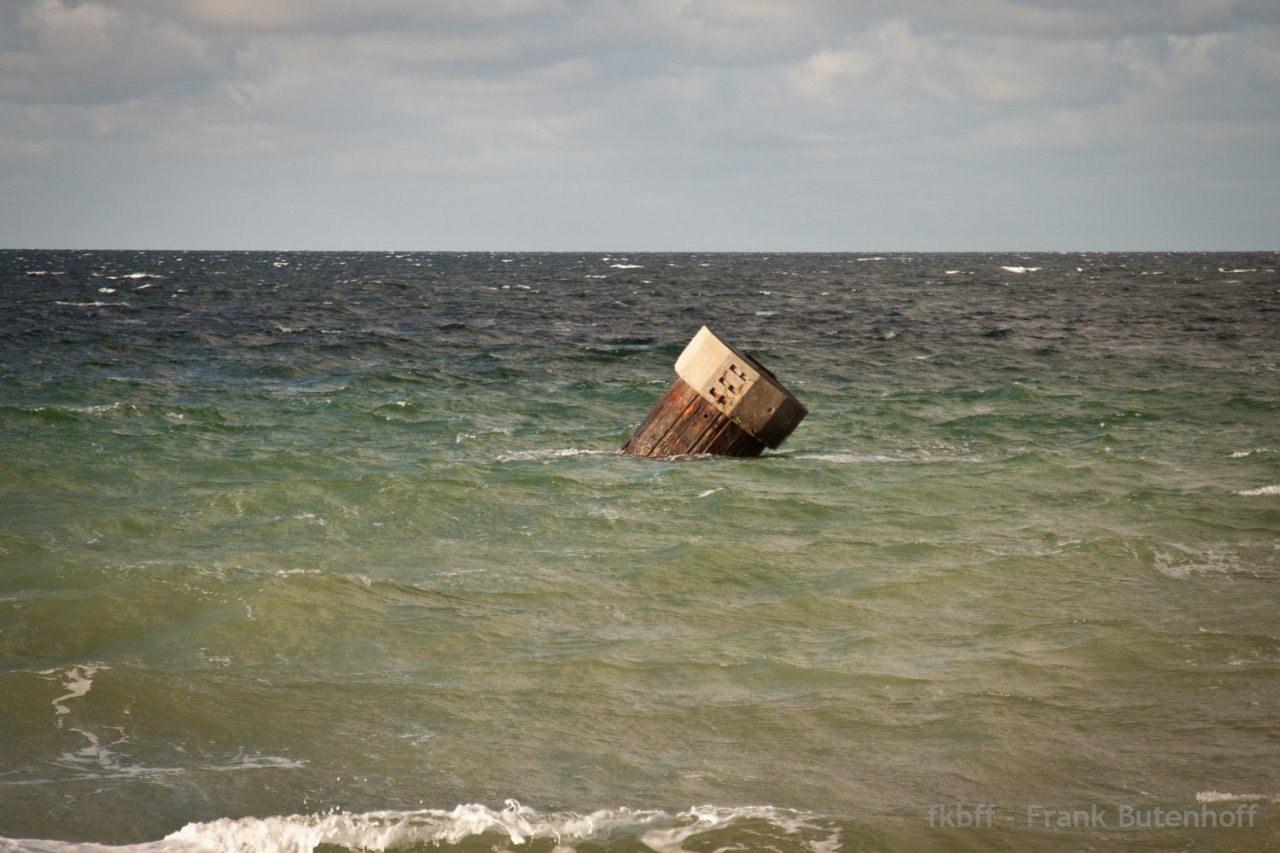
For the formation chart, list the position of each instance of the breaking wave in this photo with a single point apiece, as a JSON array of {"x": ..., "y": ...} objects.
[{"x": 475, "y": 827}]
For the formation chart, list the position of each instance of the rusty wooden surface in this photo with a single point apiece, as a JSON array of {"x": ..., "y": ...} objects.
[{"x": 684, "y": 423}]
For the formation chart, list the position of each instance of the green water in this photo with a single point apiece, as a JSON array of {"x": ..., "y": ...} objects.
[{"x": 306, "y": 549}]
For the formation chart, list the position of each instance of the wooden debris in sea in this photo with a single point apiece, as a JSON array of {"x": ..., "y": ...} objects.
[{"x": 723, "y": 403}]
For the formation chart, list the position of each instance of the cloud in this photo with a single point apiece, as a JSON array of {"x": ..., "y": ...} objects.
[
  {"x": 1053, "y": 19},
  {"x": 334, "y": 16},
  {"x": 89, "y": 53},
  {"x": 691, "y": 106}
]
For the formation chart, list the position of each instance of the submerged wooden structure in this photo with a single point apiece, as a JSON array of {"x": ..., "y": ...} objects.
[{"x": 723, "y": 402}]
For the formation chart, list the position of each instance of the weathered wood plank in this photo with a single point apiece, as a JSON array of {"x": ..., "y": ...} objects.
[{"x": 723, "y": 402}]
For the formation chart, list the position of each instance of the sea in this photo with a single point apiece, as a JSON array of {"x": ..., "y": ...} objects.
[{"x": 336, "y": 551}]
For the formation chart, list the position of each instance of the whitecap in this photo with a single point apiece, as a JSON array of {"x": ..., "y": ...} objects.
[
  {"x": 1020, "y": 270},
  {"x": 1221, "y": 797},
  {"x": 850, "y": 458},
  {"x": 626, "y": 266},
  {"x": 514, "y": 825},
  {"x": 1264, "y": 490},
  {"x": 1182, "y": 561},
  {"x": 548, "y": 454}
]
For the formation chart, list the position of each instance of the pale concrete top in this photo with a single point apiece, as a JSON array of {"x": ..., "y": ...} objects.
[{"x": 740, "y": 387}]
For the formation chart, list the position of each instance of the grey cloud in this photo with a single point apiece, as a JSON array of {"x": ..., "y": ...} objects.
[
  {"x": 820, "y": 110},
  {"x": 333, "y": 16},
  {"x": 89, "y": 53},
  {"x": 1054, "y": 19}
]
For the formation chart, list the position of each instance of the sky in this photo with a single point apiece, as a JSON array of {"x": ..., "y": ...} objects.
[{"x": 663, "y": 125}]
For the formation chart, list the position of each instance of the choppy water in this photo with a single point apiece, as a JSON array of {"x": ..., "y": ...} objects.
[{"x": 335, "y": 550}]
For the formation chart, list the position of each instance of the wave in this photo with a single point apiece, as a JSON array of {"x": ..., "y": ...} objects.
[
  {"x": 474, "y": 827},
  {"x": 544, "y": 454},
  {"x": 1220, "y": 797},
  {"x": 58, "y": 411},
  {"x": 850, "y": 458},
  {"x": 1263, "y": 490}
]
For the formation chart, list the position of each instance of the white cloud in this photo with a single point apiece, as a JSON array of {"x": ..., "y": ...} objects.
[
  {"x": 688, "y": 105},
  {"x": 829, "y": 73}
]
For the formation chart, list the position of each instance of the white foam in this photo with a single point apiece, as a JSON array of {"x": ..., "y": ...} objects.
[
  {"x": 427, "y": 828},
  {"x": 626, "y": 266},
  {"x": 1220, "y": 797},
  {"x": 99, "y": 409},
  {"x": 548, "y": 454},
  {"x": 1264, "y": 490},
  {"x": 849, "y": 458},
  {"x": 706, "y": 818},
  {"x": 97, "y": 760},
  {"x": 78, "y": 681},
  {"x": 257, "y": 761},
  {"x": 1183, "y": 561},
  {"x": 1020, "y": 270}
]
